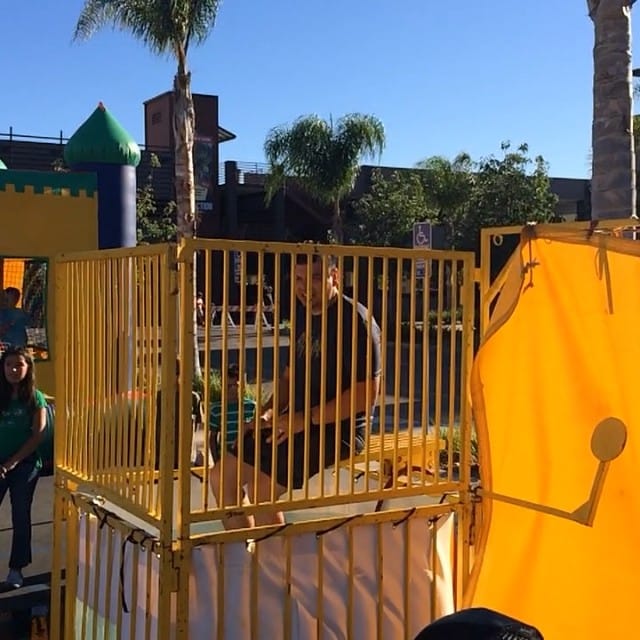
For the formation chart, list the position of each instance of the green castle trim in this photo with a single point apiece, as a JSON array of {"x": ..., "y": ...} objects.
[{"x": 52, "y": 182}]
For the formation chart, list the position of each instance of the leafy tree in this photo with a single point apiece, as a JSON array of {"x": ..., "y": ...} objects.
[
  {"x": 165, "y": 28},
  {"x": 494, "y": 191},
  {"x": 613, "y": 191},
  {"x": 385, "y": 216},
  {"x": 154, "y": 225},
  {"x": 448, "y": 188},
  {"x": 323, "y": 157}
]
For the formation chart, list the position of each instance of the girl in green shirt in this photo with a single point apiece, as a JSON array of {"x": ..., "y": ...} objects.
[{"x": 22, "y": 424}]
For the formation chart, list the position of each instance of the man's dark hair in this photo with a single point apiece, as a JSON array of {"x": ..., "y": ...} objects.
[
  {"x": 303, "y": 258},
  {"x": 233, "y": 372},
  {"x": 13, "y": 291}
]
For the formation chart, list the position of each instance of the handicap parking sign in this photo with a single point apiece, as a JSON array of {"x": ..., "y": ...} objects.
[{"x": 421, "y": 240}]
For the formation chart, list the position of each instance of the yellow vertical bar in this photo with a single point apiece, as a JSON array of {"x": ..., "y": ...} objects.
[
  {"x": 339, "y": 347},
  {"x": 206, "y": 399},
  {"x": 397, "y": 367},
  {"x": 185, "y": 381},
  {"x": 224, "y": 365},
  {"x": 259, "y": 364},
  {"x": 169, "y": 300},
  {"x": 383, "y": 351},
  {"x": 242, "y": 366},
  {"x": 133, "y": 388},
  {"x": 292, "y": 372},
  {"x": 148, "y": 387},
  {"x": 62, "y": 342},
  {"x": 353, "y": 383},
  {"x": 485, "y": 278},
  {"x": 465, "y": 412},
  {"x": 307, "y": 389},
  {"x": 438, "y": 365},
  {"x": 323, "y": 380},
  {"x": 370, "y": 400},
  {"x": 277, "y": 297},
  {"x": 412, "y": 368},
  {"x": 453, "y": 386},
  {"x": 426, "y": 378}
]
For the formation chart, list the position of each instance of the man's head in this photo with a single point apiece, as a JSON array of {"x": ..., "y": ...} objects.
[
  {"x": 11, "y": 296},
  {"x": 324, "y": 276}
]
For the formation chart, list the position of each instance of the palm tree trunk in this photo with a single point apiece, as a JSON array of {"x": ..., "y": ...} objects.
[
  {"x": 613, "y": 192},
  {"x": 337, "y": 232},
  {"x": 183, "y": 133}
]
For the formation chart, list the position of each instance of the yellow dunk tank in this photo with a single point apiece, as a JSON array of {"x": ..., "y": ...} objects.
[
  {"x": 556, "y": 408},
  {"x": 548, "y": 536}
]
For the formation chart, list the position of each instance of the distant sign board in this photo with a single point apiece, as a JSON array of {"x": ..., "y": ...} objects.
[
  {"x": 422, "y": 239},
  {"x": 237, "y": 266}
]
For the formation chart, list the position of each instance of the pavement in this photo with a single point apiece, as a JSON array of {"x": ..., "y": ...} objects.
[{"x": 24, "y": 612}]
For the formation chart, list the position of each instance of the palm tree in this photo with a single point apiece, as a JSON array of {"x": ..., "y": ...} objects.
[
  {"x": 165, "y": 28},
  {"x": 323, "y": 157},
  {"x": 613, "y": 191}
]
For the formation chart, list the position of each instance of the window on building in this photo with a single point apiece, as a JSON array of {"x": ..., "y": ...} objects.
[{"x": 156, "y": 118}]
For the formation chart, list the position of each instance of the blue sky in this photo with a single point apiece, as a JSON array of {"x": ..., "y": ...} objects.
[{"x": 443, "y": 76}]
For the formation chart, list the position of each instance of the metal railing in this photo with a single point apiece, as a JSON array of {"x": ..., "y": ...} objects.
[
  {"x": 397, "y": 442},
  {"x": 246, "y": 172},
  {"x": 116, "y": 318}
]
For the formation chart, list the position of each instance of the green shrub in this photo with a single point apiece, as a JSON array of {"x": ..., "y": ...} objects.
[{"x": 215, "y": 387}]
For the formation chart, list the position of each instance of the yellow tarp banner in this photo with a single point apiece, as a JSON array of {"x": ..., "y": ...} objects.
[{"x": 561, "y": 355}]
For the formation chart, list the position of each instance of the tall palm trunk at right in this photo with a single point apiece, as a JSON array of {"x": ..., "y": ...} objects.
[{"x": 613, "y": 182}]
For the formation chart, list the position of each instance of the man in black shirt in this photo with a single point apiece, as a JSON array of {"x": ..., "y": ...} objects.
[{"x": 352, "y": 367}]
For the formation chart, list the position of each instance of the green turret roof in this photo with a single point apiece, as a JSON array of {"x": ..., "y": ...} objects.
[
  {"x": 101, "y": 139},
  {"x": 2, "y": 165}
]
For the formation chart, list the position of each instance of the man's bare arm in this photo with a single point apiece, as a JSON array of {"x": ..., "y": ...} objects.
[{"x": 283, "y": 397}]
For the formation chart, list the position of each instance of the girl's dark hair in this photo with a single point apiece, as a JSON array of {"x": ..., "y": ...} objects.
[{"x": 27, "y": 387}]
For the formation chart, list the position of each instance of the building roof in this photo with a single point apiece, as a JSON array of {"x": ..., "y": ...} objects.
[
  {"x": 102, "y": 139},
  {"x": 224, "y": 135}
]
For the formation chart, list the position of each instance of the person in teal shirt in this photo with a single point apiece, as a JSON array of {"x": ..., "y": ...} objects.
[
  {"x": 234, "y": 411},
  {"x": 22, "y": 426},
  {"x": 13, "y": 321}
]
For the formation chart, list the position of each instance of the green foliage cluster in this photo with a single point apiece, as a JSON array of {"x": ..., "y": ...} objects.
[
  {"x": 462, "y": 195},
  {"x": 154, "y": 225}
]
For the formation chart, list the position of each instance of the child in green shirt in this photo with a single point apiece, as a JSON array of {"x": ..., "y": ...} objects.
[{"x": 235, "y": 409}]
